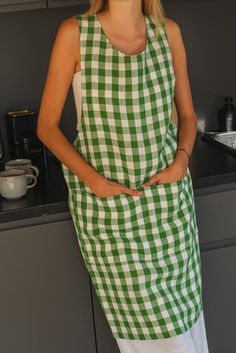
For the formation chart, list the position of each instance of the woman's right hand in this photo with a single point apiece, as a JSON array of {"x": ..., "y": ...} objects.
[{"x": 108, "y": 188}]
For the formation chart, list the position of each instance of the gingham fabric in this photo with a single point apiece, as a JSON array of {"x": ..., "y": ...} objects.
[{"x": 141, "y": 252}]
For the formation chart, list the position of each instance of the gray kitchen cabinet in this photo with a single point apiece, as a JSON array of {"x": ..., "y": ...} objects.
[
  {"x": 19, "y": 5},
  {"x": 216, "y": 216},
  {"x": 59, "y": 3},
  {"x": 215, "y": 213},
  {"x": 106, "y": 343},
  {"x": 219, "y": 293},
  {"x": 45, "y": 291}
]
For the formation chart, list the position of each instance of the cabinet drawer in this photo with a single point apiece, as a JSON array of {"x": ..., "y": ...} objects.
[
  {"x": 216, "y": 216},
  {"x": 219, "y": 292},
  {"x": 58, "y": 3},
  {"x": 19, "y": 5}
]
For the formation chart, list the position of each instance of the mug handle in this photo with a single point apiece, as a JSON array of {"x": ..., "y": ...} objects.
[
  {"x": 35, "y": 169},
  {"x": 30, "y": 176}
]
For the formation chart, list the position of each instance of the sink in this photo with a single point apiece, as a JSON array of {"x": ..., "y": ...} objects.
[{"x": 223, "y": 139}]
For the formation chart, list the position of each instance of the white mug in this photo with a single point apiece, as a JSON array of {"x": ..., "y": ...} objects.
[
  {"x": 22, "y": 163},
  {"x": 14, "y": 183}
]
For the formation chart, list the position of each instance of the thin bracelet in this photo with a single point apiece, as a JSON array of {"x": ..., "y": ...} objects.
[{"x": 183, "y": 149}]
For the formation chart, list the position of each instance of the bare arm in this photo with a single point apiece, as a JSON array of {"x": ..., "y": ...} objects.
[
  {"x": 63, "y": 60},
  {"x": 187, "y": 120}
]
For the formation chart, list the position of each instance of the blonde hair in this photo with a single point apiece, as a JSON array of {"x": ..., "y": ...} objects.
[{"x": 152, "y": 8}]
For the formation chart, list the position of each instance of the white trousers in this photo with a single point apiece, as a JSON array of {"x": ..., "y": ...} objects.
[{"x": 192, "y": 341}]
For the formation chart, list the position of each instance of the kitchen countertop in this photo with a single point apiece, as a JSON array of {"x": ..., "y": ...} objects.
[{"x": 212, "y": 170}]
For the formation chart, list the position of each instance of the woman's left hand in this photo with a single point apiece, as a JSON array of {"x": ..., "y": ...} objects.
[{"x": 174, "y": 172}]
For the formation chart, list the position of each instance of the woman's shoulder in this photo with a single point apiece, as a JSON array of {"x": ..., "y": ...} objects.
[
  {"x": 68, "y": 35},
  {"x": 173, "y": 31},
  {"x": 171, "y": 25},
  {"x": 69, "y": 26}
]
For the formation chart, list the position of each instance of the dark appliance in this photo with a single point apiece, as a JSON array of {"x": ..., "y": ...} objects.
[
  {"x": 23, "y": 140},
  {"x": 1, "y": 147}
]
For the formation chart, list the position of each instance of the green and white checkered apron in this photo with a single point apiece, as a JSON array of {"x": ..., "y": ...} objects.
[{"x": 142, "y": 252}]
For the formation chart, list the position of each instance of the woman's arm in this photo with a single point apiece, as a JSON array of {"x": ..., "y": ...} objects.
[
  {"x": 187, "y": 120},
  {"x": 63, "y": 61}
]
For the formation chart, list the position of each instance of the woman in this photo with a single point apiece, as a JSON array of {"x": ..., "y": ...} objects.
[{"x": 130, "y": 189}]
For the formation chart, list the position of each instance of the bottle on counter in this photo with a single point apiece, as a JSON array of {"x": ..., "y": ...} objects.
[{"x": 228, "y": 115}]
